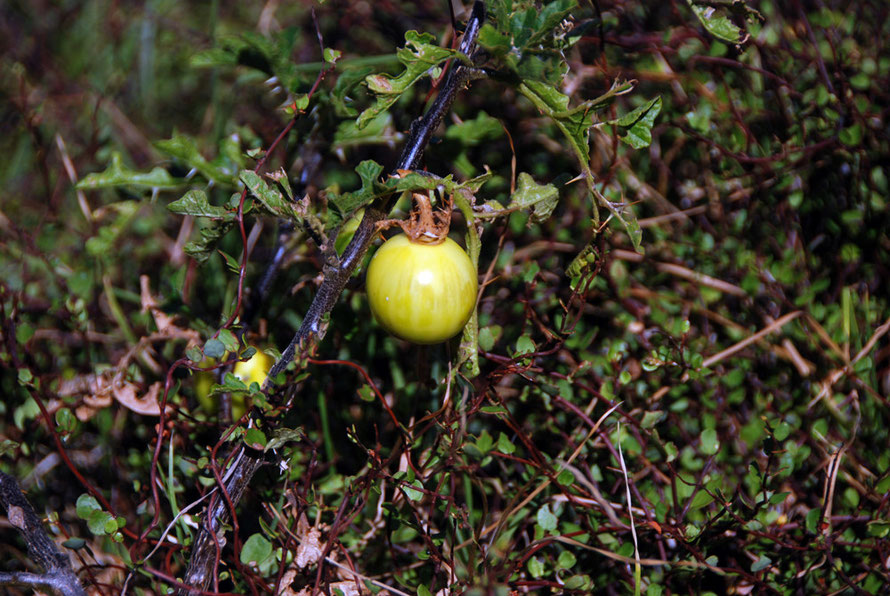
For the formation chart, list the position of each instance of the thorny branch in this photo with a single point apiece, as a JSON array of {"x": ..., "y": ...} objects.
[{"x": 337, "y": 272}]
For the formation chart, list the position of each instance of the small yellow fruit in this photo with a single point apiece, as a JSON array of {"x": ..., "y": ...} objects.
[
  {"x": 424, "y": 293},
  {"x": 253, "y": 370}
]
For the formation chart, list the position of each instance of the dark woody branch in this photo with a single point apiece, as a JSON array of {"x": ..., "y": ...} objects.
[{"x": 58, "y": 574}]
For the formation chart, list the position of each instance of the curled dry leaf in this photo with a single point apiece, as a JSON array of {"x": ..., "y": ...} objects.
[
  {"x": 100, "y": 390},
  {"x": 310, "y": 549},
  {"x": 147, "y": 405},
  {"x": 164, "y": 322}
]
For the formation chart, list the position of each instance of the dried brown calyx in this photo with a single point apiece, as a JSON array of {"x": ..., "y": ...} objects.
[{"x": 424, "y": 224}]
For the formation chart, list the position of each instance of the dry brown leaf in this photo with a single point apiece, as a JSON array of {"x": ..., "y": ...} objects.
[
  {"x": 310, "y": 549},
  {"x": 147, "y": 405}
]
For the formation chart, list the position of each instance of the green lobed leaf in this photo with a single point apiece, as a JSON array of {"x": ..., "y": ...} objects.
[
  {"x": 715, "y": 21},
  {"x": 118, "y": 175},
  {"x": 379, "y": 131},
  {"x": 504, "y": 444},
  {"x": 346, "y": 82},
  {"x": 582, "y": 262},
  {"x": 283, "y": 436},
  {"x": 760, "y": 564},
  {"x": 412, "y": 493},
  {"x": 272, "y": 199},
  {"x": 185, "y": 150},
  {"x": 101, "y": 523},
  {"x": 210, "y": 234},
  {"x": 419, "y": 55},
  {"x": 195, "y": 202},
  {"x": 346, "y": 203},
  {"x": 472, "y": 132},
  {"x": 566, "y": 560},
  {"x": 639, "y": 124},
  {"x": 535, "y": 567},
  {"x": 372, "y": 189},
  {"x": 214, "y": 348},
  {"x": 495, "y": 42},
  {"x": 574, "y": 124},
  {"x": 541, "y": 198},
  {"x": 545, "y": 19}
]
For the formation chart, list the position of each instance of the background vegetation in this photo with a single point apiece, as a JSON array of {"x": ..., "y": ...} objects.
[{"x": 705, "y": 414}]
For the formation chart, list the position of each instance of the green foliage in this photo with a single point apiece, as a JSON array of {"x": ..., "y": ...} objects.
[
  {"x": 739, "y": 146},
  {"x": 420, "y": 56}
]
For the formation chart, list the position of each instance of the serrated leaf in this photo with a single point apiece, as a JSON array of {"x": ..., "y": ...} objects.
[
  {"x": 715, "y": 21},
  {"x": 639, "y": 124},
  {"x": 541, "y": 198},
  {"x": 495, "y": 42},
  {"x": 195, "y": 202},
  {"x": 419, "y": 55},
  {"x": 231, "y": 384},
  {"x": 118, "y": 175},
  {"x": 369, "y": 172},
  {"x": 372, "y": 189}
]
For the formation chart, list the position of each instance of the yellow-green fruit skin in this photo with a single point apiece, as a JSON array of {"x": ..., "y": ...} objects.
[
  {"x": 255, "y": 369},
  {"x": 423, "y": 293}
]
